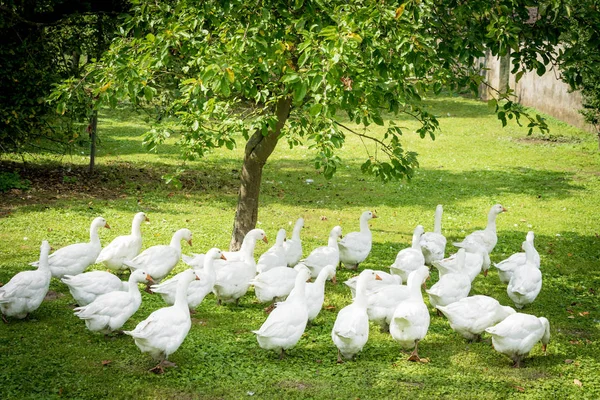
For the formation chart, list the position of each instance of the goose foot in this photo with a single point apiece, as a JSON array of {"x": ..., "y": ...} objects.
[
  {"x": 160, "y": 368},
  {"x": 148, "y": 290},
  {"x": 414, "y": 356},
  {"x": 517, "y": 363},
  {"x": 269, "y": 309},
  {"x": 4, "y": 319}
]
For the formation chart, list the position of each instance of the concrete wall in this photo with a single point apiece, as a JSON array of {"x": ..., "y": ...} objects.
[{"x": 546, "y": 93}]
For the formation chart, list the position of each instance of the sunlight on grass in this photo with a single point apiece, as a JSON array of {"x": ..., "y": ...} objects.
[{"x": 550, "y": 184}]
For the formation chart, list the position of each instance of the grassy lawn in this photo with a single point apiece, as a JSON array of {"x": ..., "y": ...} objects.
[{"x": 549, "y": 184}]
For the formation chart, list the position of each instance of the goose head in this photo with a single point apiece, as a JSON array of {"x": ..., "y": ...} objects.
[
  {"x": 189, "y": 275},
  {"x": 280, "y": 237},
  {"x": 530, "y": 236},
  {"x": 336, "y": 232},
  {"x": 140, "y": 276},
  {"x": 184, "y": 234},
  {"x": 257, "y": 234},
  {"x": 215, "y": 254},
  {"x": 367, "y": 215},
  {"x": 99, "y": 222},
  {"x": 497, "y": 209}
]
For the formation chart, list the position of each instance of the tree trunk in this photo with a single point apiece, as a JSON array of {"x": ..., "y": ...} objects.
[
  {"x": 258, "y": 150},
  {"x": 92, "y": 128}
]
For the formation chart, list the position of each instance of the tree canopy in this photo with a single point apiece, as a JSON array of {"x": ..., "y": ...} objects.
[{"x": 263, "y": 71}]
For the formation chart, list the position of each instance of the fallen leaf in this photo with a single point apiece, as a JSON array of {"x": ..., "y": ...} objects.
[
  {"x": 569, "y": 254},
  {"x": 568, "y": 361},
  {"x": 577, "y": 382},
  {"x": 574, "y": 342},
  {"x": 520, "y": 388},
  {"x": 323, "y": 218},
  {"x": 106, "y": 362},
  {"x": 582, "y": 314},
  {"x": 424, "y": 360},
  {"x": 571, "y": 316}
]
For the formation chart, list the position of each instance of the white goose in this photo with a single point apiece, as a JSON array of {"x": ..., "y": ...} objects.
[
  {"x": 382, "y": 302},
  {"x": 526, "y": 281},
  {"x": 196, "y": 261},
  {"x": 376, "y": 285},
  {"x": 26, "y": 290},
  {"x": 198, "y": 289},
  {"x": 451, "y": 287},
  {"x": 409, "y": 259},
  {"x": 486, "y": 237},
  {"x": 86, "y": 287},
  {"x": 506, "y": 267},
  {"x": 233, "y": 277},
  {"x": 109, "y": 312},
  {"x": 159, "y": 260},
  {"x": 276, "y": 284},
  {"x": 433, "y": 244},
  {"x": 285, "y": 325},
  {"x": 293, "y": 247},
  {"x": 322, "y": 256},
  {"x": 124, "y": 248},
  {"x": 315, "y": 291},
  {"x": 275, "y": 256},
  {"x": 410, "y": 321},
  {"x": 75, "y": 258},
  {"x": 356, "y": 246},
  {"x": 351, "y": 328},
  {"x": 516, "y": 335},
  {"x": 470, "y": 316},
  {"x": 164, "y": 330},
  {"x": 477, "y": 260}
]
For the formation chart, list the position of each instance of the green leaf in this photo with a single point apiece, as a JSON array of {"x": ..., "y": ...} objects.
[
  {"x": 315, "y": 109},
  {"x": 150, "y": 37},
  {"x": 492, "y": 104},
  {"x": 300, "y": 91}
]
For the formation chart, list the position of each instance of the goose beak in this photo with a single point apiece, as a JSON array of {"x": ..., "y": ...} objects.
[
  {"x": 147, "y": 219},
  {"x": 377, "y": 277},
  {"x": 149, "y": 278},
  {"x": 107, "y": 226},
  {"x": 197, "y": 278},
  {"x": 375, "y": 215},
  {"x": 190, "y": 242},
  {"x": 504, "y": 209},
  {"x": 265, "y": 240},
  {"x": 223, "y": 257}
]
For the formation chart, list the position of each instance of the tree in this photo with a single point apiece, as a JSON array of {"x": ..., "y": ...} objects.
[
  {"x": 579, "y": 56},
  {"x": 44, "y": 42},
  {"x": 266, "y": 71}
]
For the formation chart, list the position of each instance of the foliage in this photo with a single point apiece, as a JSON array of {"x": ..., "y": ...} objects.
[
  {"x": 12, "y": 180},
  {"x": 221, "y": 67},
  {"x": 44, "y": 43},
  {"x": 549, "y": 187},
  {"x": 579, "y": 58}
]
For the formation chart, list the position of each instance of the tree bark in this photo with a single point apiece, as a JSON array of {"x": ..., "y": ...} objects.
[
  {"x": 258, "y": 150},
  {"x": 93, "y": 128}
]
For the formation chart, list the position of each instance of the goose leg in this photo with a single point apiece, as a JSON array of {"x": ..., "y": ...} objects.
[
  {"x": 339, "y": 359},
  {"x": 270, "y": 308},
  {"x": 282, "y": 354},
  {"x": 414, "y": 356},
  {"x": 4, "y": 319},
  {"x": 517, "y": 361}
]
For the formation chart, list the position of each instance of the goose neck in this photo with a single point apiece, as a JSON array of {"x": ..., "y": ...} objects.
[
  {"x": 181, "y": 294},
  {"x": 491, "y": 223},
  {"x": 94, "y": 237},
  {"x": 364, "y": 226},
  {"x": 416, "y": 240},
  {"x": 332, "y": 242},
  {"x": 136, "y": 228},
  {"x": 414, "y": 286},
  {"x": 361, "y": 293}
]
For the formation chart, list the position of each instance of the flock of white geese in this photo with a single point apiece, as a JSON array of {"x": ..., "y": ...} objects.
[{"x": 281, "y": 276}]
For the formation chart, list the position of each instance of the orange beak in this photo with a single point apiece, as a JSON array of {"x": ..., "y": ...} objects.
[
  {"x": 504, "y": 209},
  {"x": 190, "y": 242},
  {"x": 149, "y": 278},
  {"x": 375, "y": 215},
  {"x": 107, "y": 225},
  {"x": 265, "y": 240},
  {"x": 147, "y": 219},
  {"x": 223, "y": 257},
  {"x": 377, "y": 277},
  {"x": 197, "y": 278}
]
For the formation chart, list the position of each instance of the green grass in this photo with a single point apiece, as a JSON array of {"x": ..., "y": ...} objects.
[{"x": 549, "y": 184}]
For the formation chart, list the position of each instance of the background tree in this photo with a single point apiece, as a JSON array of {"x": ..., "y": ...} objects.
[
  {"x": 44, "y": 42},
  {"x": 266, "y": 71},
  {"x": 579, "y": 56}
]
